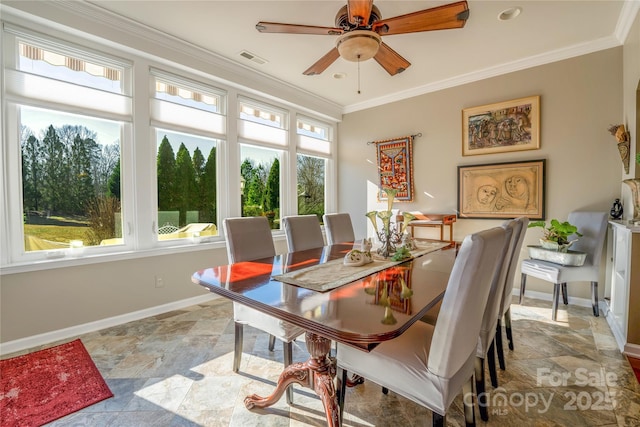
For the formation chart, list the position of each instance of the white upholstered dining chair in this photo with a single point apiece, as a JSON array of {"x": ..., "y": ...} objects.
[
  {"x": 490, "y": 318},
  {"x": 593, "y": 227},
  {"x": 249, "y": 239},
  {"x": 519, "y": 231},
  {"x": 303, "y": 232},
  {"x": 338, "y": 228},
  {"x": 431, "y": 364}
]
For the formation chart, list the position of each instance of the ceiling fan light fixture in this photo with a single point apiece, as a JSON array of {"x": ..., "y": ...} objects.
[{"x": 358, "y": 45}]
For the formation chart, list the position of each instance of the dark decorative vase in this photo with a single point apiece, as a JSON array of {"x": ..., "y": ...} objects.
[{"x": 616, "y": 210}]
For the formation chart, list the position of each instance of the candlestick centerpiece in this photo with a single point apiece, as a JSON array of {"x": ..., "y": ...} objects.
[{"x": 391, "y": 234}]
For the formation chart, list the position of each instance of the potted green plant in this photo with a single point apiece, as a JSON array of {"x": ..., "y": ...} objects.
[{"x": 556, "y": 234}]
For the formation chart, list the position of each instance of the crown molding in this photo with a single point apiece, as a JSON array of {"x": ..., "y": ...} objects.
[{"x": 497, "y": 70}]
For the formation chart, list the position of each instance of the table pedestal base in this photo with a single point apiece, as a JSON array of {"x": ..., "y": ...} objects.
[{"x": 317, "y": 373}]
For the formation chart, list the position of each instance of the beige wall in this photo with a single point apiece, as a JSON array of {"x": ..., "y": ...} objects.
[
  {"x": 580, "y": 98},
  {"x": 45, "y": 301}
]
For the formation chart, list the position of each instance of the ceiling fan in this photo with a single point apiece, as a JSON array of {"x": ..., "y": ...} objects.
[{"x": 360, "y": 28}]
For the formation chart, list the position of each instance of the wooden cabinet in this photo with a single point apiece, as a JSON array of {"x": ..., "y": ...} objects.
[{"x": 622, "y": 291}]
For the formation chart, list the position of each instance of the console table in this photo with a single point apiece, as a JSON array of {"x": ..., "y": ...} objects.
[{"x": 433, "y": 220}]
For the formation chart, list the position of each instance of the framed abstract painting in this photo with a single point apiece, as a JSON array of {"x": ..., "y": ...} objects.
[
  {"x": 501, "y": 127},
  {"x": 502, "y": 190}
]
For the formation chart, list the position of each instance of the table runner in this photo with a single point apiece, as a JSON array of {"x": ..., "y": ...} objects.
[{"x": 316, "y": 276}]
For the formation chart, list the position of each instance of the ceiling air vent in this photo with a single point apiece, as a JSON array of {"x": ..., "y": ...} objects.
[{"x": 251, "y": 57}]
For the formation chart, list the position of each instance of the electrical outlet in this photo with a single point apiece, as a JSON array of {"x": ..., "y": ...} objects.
[{"x": 159, "y": 282}]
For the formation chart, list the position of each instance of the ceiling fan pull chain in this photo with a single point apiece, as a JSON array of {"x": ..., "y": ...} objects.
[{"x": 358, "y": 74}]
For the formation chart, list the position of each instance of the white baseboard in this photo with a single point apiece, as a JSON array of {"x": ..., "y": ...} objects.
[
  {"x": 580, "y": 302},
  {"x": 632, "y": 350},
  {"x": 73, "y": 331}
]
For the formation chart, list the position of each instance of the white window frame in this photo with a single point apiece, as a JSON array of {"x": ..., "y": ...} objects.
[{"x": 13, "y": 245}]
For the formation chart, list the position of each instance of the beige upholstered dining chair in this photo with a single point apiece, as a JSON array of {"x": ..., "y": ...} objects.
[
  {"x": 486, "y": 346},
  {"x": 248, "y": 239},
  {"x": 487, "y": 337},
  {"x": 303, "y": 232},
  {"x": 519, "y": 232},
  {"x": 593, "y": 227},
  {"x": 430, "y": 364},
  {"x": 338, "y": 228}
]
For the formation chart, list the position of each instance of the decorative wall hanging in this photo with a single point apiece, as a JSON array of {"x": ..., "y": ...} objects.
[
  {"x": 501, "y": 127},
  {"x": 395, "y": 167},
  {"x": 622, "y": 138},
  {"x": 502, "y": 190}
]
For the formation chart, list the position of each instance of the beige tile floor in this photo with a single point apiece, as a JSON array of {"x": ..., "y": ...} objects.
[{"x": 175, "y": 370}]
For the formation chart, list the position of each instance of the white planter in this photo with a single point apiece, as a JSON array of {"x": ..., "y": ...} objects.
[{"x": 573, "y": 258}]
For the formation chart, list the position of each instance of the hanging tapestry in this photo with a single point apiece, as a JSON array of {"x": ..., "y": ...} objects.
[{"x": 395, "y": 168}]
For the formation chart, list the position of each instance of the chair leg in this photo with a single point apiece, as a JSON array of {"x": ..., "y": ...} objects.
[
  {"x": 565, "y": 295},
  {"x": 556, "y": 297},
  {"x": 287, "y": 348},
  {"x": 341, "y": 388},
  {"x": 237, "y": 349},
  {"x": 438, "y": 420},
  {"x": 272, "y": 342},
  {"x": 491, "y": 361},
  {"x": 523, "y": 283},
  {"x": 467, "y": 400},
  {"x": 594, "y": 299},
  {"x": 482, "y": 395},
  {"x": 507, "y": 327},
  {"x": 498, "y": 341}
]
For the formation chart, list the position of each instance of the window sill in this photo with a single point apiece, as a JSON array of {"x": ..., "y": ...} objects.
[{"x": 66, "y": 261}]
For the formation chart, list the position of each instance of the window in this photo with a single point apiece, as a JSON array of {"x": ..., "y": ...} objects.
[
  {"x": 186, "y": 161},
  {"x": 187, "y": 189},
  {"x": 260, "y": 183},
  {"x": 68, "y": 163},
  {"x": 71, "y": 191},
  {"x": 261, "y": 128},
  {"x": 314, "y": 150}
]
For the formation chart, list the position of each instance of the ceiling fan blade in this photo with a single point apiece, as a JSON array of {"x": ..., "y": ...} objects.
[
  {"x": 391, "y": 60},
  {"x": 444, "y": 17},
  {"x": 323, "y": 63},
  {"x": 275, "y": 27},
  {"x": 359, "y": 11}
]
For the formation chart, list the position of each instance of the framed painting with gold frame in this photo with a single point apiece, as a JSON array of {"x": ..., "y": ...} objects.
[
  {"x": 502, "y": 190},
  {"x": 501, "y": 127}
]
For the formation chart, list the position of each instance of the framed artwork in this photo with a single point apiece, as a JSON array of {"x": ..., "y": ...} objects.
[
  {"x": 395, "y": 167},
  {"x": 502, "y": 190},
  {"x": 501, "y": 127}
]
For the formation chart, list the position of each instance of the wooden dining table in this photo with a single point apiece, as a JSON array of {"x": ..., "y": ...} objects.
[{"x": 362, "y": 313}]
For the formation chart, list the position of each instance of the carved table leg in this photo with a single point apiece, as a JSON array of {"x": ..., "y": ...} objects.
[{"x": 316, "y": 373}]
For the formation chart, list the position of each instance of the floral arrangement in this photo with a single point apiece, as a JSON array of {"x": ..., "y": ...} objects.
[{"x": 390, "y": 235}]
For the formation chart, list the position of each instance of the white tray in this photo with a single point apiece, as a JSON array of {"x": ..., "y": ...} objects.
[{"x": 573, "y": 258}]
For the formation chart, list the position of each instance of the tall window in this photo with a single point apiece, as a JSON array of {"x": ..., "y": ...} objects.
[
  {"x": 260, "y": 183},
  {"x": 261, "y": 130},
  {"x": 186, "y": 114},
  {"x": 70, "y": 180},
  {"x": 69, "y": 163},
  {"x": 314, "y": 150}
]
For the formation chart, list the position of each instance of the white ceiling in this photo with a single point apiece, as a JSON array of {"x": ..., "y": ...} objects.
[{"x": 545, "y": 31}]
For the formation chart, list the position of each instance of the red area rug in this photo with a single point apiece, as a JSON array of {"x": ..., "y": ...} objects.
[
  {"x": 635, "y": 364},
  {"x": 43, "y": 386}
]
